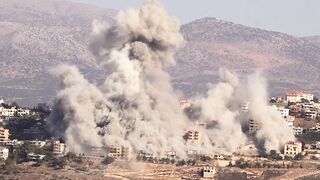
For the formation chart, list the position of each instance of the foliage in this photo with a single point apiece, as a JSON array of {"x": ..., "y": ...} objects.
[
  {"x": 288, "y": 157},
  {"x": 274, "y": 155},
  {"x": 108, "y": 160},
  {"x": 8, "y": 167},
  {"x": 298, "y": 157},
  {"x": 59, "y": 163},
  {"x": 314, "y": 158},
  {"x": 181, "y": 163},
  {"x": 241, "y": 163}
]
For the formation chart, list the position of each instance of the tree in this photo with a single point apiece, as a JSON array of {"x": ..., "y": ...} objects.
[
  {"x": 315, "y": 99},
  {"x": 14, "y": 104},
  {"x": 314, "y": 158},
  {"x": 298, "y": 157},
  {"x": 272, "y": 101},
  {"x": 108, "y": 160},
  {"x": 274, "y": 155},
  {"x": 305, "y": 100}
]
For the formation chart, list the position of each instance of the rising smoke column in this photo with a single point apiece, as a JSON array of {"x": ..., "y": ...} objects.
[
  {"x": 226, "y": 135},
  {"x": 136, "y": 105},
  {"x": 80, "y": 102},
  {"x": 273, "y": 132}
]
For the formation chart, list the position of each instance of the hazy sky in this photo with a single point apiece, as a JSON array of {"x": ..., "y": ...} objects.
[{"x": 297, "y": 17}]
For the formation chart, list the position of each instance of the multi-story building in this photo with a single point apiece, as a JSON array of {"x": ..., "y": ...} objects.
[
  {"x": 293, "y": 148},
  {"x": 208, "y": 172},
  {"x": 59, "y": 148},
  {"x": 282, "y": 110},
  {"x": 119, "y": 152},
  {"x": 4, "y": 153},
  {"x": 297, "y": 130},
  {"x": 244, "y": 107},
  {"x": 184, "y": 103},
  {"x": 4, "y": 135},
  {"x": 253, "y": 126},
  {"x": 297, "y": 96},
  {"x": 23, "y": 112},
  {"x": 193, "y": 136},
  {"x": 38, "y": 143},
  {"x": 8, "y": 112}
]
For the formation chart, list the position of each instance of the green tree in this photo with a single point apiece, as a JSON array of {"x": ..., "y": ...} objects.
[
  {"x": 108, "y": 160},
  {"x": 298, "y": 157}
]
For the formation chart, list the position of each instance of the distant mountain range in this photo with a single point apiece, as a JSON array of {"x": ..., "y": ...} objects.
[{"x": 36, "y": 35}]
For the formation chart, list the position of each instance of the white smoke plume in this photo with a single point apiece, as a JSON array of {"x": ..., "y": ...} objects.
[
  {"x": 273, "y": 131},
  {"x": 137, "y": 107}
]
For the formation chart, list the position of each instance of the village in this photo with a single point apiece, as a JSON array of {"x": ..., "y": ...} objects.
[{"x": 25, "y": 138}]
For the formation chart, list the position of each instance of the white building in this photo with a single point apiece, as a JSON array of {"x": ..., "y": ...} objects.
[
  {"x": 297, "y": 130},
  {"x": 35, "y": 157},
  {"x": 184, "y": 103},
  {"x": 59, "y": 148},
  {"x": 282, "y": 110},
  {"x": 208, "y": 172},
  {"x": 4, "y": 153},
  {"x": 297, "y": 96},
  {"x": 119, "y": 152},
  {"x": 293, "y": 148},
  {"x": 8, "y": 112},
  {"x": 23, "y": 112},
  {"x": 38, "y": 143}
]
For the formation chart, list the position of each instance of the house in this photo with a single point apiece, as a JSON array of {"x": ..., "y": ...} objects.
[
  {"x": 37, "y": 143},
  {"x": 119, "y": 152},
  {"x": 298, "y": 95},
  {"x": 208, "y": 172},
  {"x": 35, "y": 157},
  {"x": 4, "y": 153},
  {"x": 23, "y": 112},
  {"x": 8, "y": 112},
  {"x": 170, "y": 154},
  {"x": 4, "y": 135},
  {"x": 58, "y": 148},
  {"x": 293, "y": 148},
  {"x": 297, "y": 130}
]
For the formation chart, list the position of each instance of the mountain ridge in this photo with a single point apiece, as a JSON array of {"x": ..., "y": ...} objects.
[{"x": 39, "y": 39}]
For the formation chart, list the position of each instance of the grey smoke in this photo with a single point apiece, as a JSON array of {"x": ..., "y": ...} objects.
[{"x": 137, "y": 107}]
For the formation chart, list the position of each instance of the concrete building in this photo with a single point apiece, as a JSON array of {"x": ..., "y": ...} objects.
[
  {"x": 4, "y": 135},
  {"x": 208, "y": 172},
  {"x": 119, "y": 152},
  {"x": 253, "y": 126},
  {"x": 38, "y": 143},
  {"x": 8, "y": 112},
  {"x": 293, "y": 148},
  {"x": 184, "y": 103},
  {"x": 193, "y": 136},
  {"x": 297, "y": 130},
  {"x": 35, "y": 157},
  {"x": 297, "y": 96},
  {"x": 244, "y": 107},
  {"x": 23, "y": 112},
  {"x": 4, "y": 153},
  {"x": 58, "y": 148}
]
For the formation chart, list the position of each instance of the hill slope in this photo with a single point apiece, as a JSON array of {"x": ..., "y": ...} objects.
[
  {"x": 39, "y": 34},
  {"x": 288, "y": 61}
]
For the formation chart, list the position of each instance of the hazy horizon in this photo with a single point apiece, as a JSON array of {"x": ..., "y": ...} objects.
[{"x": 293, "y": 17}]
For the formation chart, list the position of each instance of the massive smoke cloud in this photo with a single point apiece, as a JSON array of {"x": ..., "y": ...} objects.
[{"x": 137, "y": 107}]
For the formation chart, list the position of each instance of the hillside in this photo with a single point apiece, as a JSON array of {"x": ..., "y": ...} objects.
[
  {"x": 39, "y": 34},
  {"x": 288, "y": 61}
]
